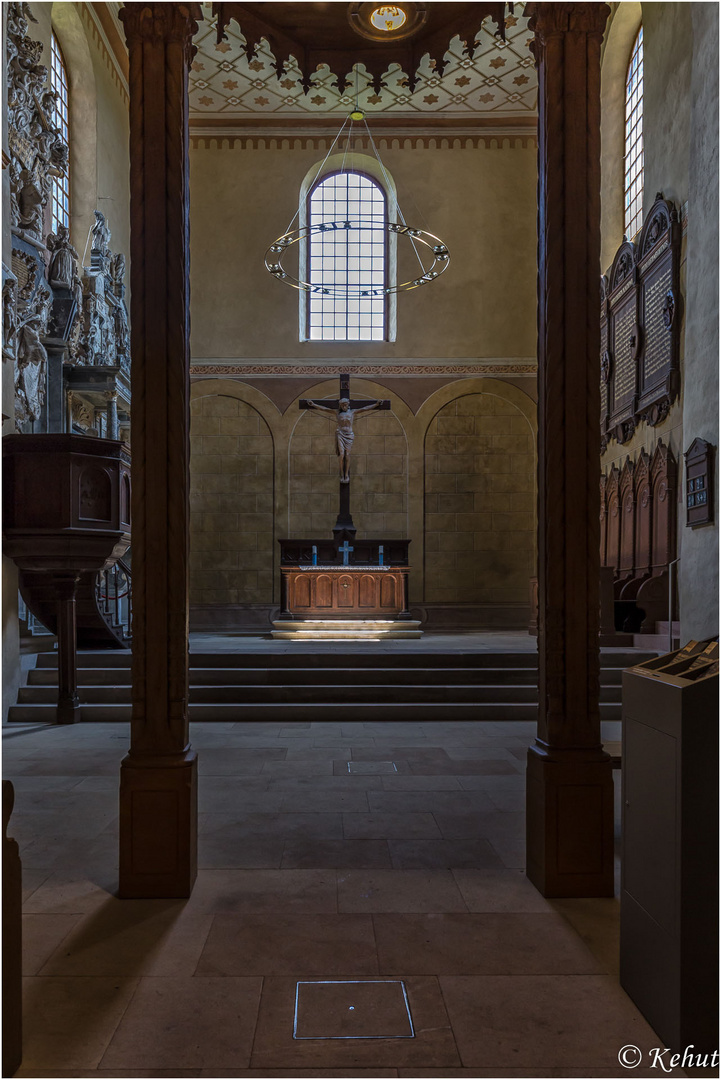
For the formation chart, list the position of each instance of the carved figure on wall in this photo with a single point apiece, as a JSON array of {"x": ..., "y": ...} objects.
[
  {"x": 100, "y": 251},
  {"x": 116, "y": 298},
  {"x": 32, "y": 358},
  {"x": 10, "y": 320},
  {"x": 37, "y": 150},
  {"x": 344, "y": 431},
  {"x": 63, "y": 268}
]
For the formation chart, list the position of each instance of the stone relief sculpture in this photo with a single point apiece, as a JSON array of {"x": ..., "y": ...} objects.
[
  {"x": 63, "y": 268},
  {"x": 37, "y": 150},
  {"x": 10, "y": 302},
  {"x": 32, "y": 358}
]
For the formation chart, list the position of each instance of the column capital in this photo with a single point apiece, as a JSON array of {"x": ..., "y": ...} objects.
[
  {"x": 550, "y": 20},
  {"x": 161, "y": 21}
]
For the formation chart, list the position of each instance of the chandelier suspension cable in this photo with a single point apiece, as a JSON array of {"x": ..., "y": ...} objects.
[
  {"x": 320, "y": 168},
  {"x": 391, "y": 187}
]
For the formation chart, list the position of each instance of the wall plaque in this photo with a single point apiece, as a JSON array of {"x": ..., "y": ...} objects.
[
  {"x": 624, "y": 343},
  {"x": 640, "y": 322},
  {"x": 699, "y": 481},
  {"x": 658, "y": 282}
]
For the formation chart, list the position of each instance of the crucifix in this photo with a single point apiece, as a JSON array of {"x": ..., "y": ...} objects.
[{"x": 345, "y": 409}]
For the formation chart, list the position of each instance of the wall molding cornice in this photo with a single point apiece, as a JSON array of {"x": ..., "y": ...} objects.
[{"x": 212, "y": 368}]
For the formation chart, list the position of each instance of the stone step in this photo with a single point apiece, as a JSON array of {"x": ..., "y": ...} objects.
[
  {"x": 309, "y": 655},
  {"x": 292, "y": 695},
  {"x": 235, "y": 713},
  {"x": 297, "y": 676}
]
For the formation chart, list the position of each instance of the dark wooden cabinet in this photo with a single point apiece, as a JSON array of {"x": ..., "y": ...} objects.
[{"x": 341, "y": 592}]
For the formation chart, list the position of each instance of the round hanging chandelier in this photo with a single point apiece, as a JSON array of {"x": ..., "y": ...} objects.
[{"x": 431, "y": 253}]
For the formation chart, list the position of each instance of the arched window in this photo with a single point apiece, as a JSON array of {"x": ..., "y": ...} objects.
[
  {"x": 633, "y": 155},
  {"x": 355, "y": 257},
  {"x": 60, "y": 194}
]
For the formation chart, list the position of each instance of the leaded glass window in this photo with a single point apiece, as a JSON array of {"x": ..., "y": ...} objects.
[
  {"x": 633, "y": 157},
  {"x": 60, "y": 193},
  {"x": 354, "y": 258}
]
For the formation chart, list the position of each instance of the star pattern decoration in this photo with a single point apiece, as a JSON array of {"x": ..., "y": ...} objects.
[{"x": 224, "y": 83}]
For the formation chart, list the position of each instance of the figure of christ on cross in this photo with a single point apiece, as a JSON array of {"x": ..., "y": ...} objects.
[{"x": 345, "y": 410}]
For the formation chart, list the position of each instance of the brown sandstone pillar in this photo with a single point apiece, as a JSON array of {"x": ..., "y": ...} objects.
[
  {"x": 569, "y": 802},
  {"x": 158, "y": 787}
]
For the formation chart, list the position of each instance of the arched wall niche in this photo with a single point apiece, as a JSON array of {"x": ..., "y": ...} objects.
[
  {"x": 623, "y": 26},
  {"x": 231, "y": 498},
  {"x": 480, "y": 497},
  {"x": 71, "y": 34},
  {"x": 379, "y": 468}
]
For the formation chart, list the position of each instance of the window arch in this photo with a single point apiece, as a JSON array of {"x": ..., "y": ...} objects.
[
  {"x": 633, "y": 148},
  {"x": 60, "y": 192},
  {"x": 355, "y": 257}
]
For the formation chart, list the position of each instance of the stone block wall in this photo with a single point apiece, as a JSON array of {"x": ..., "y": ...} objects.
[
  {"x": 231, "y": 503},
  {"x": 479, "y": 503},
  {"x": 378, "y": 472}
]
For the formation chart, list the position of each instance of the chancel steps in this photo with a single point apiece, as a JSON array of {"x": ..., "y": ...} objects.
[{"x": 313, "y": 686}]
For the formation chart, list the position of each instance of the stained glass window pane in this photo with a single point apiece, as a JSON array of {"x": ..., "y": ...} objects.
[
  {"x": 60, "y": 193},
  {"x": 633, "y": 159}
]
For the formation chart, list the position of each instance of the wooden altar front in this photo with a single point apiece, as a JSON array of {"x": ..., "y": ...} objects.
[{"x": 324, "y": 579}]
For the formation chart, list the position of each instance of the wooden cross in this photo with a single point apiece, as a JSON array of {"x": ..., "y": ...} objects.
[
  {"x": 345, "y": 550},
  {"x": 344, "y": 529},
  {"x": 334, "y": 403}
]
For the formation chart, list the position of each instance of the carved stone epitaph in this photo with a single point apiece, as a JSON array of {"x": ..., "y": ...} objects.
[
  {"x": 158, "y": 802},
  {"x": 569, "y": 782},
  {"x": 37, "y": 150}
]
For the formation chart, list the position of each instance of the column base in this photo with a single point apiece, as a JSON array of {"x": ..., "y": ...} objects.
[
  {"x": 68, "y": 711},
  {"x": 569, "y": 822},
  {"x": 158, "y": 826}
]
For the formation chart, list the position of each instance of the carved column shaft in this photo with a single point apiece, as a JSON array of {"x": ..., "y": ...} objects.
[
  {"x": 158, "y": 786},
  {"x": 570, "y": 794}
]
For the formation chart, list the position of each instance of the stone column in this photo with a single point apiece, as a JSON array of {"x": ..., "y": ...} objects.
[
  {"x": 569, "y": 803},
  {"x": 111, "y": 414},
  {"x": 158, "y": 778}
]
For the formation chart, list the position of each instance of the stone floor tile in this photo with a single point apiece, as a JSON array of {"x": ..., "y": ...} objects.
[
  {"x": 462, "y": 766},
  {"x": 489, "y": 944},
  {"x": 512, "y": 853},
  {"x": 344, "y": 781},
  {"x": 259, "y": 891},
  {"x": 411, "y": 782},
  {"x": 116, "y": 1073},
  {"x": 32, "y": 879},
  {"x": 489, "y": 824},
  {"x": 326, "y": 946},
  {"x": 500, "y": 890},
  {"x": 398, "y": 891},
  {"x": 225, "y": 848},
  {"x": 597, "y": 920},
  {"x": 331, "y": 800},
  {"x": 187, "y": 1023},
  {"x": 275, "y": 1047},
  {"x": 386, "y": 826},
  {"x": 440, "y": 854},
  {"x": 71, "y": 855},
  {"x": 430, "y": 802},
  {"x": 563, "y": 1021},
  {"x": 236, "y": 828},
  {"x": 297, "y": 768},
  {"x": 68, "y": 894},
  {"x": 340, "y": 767},
  {"x": 371, "y": 1074},
  {"x": 133, "y": 937},
  {"x": 41, "y": 936},
  {"x": 71, "y": 1020},
  {"x": 326, "y": 854}
]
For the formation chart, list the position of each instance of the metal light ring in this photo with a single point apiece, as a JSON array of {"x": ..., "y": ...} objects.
[{"x": 274, "y": 254}]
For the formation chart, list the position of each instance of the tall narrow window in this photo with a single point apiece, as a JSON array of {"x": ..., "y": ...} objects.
[
  {"x": 633, "y": 156},
  {"x": 60, "y": 195},
  {"x": 354, "y": 258}
]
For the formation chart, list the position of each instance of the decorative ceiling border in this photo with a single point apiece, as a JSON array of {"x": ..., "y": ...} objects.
[
  {"x": 524, "y": 366},
  {"x": 409, "y": 132}
]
